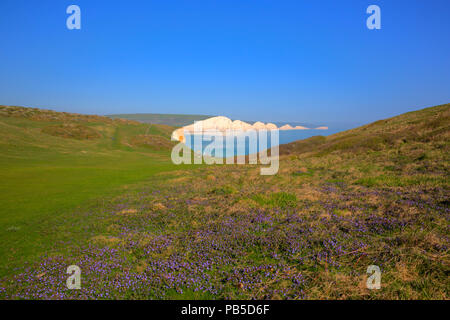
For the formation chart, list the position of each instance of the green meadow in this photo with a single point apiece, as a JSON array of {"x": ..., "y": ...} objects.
[{"x": 48, "y": 168}]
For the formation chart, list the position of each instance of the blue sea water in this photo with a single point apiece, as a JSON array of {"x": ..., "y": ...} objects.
[{"x": 285, "y": 136}]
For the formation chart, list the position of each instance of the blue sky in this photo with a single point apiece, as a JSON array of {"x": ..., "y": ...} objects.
[{"x": 303, "y": 61}]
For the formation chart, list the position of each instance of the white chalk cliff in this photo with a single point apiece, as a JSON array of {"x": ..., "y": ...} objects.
[
  {"x": 286, "y": 127},
  {"x": 259, "y": 125},
  {"x": 225, "y": 124},
  {"x": 240, "y": 125}
]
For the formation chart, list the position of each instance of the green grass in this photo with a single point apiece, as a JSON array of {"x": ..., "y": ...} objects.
[
  {"x": 224, "y": 190},
  {"x": 400, "y": 181},
  {"x": 47, "y": 172},
  {"x": 429, "y": 126},
  {"x": 278, "y": 199},
  {"x": 372, "y": 195}
]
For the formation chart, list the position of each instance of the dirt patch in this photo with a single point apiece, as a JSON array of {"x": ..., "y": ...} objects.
[
  {"x": 159, "y": 206},
  {"x": 127, "y": 211},
  {"x": 105, "y": 239}
]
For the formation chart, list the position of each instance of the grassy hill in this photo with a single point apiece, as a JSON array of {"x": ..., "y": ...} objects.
[
  {"x": 374, "y": 195},
  {"x": 409, "y": 149},
  {"x": 430, "y": 125},
  {"x": 52, "y": 162},
  {"x": 175, "y": 120}
]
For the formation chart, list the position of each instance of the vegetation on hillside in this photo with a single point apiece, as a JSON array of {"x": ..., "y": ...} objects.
[
  {"x": 52, "y": 162},
  {"x": 375, "y": 195},
  {"x": 175, "y": 120}
]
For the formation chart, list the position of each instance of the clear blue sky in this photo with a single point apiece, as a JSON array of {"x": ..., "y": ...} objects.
[{"x": 305, "y": 61}]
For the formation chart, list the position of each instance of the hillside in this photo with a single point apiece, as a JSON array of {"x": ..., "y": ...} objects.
[
  {"x": 430, "y": 125},
  {"x": 374, "y": 195},
  {"x": 33, "y": 127},
  {"x": 51, "y": 162},
  {"x": 175, "y": 120}
]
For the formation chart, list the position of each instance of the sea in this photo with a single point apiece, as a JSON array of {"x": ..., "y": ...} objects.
[{"x": 241, "y": 148}]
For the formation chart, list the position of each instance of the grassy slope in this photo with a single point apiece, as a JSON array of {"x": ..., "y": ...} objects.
[
  {"x": 378, "y": 194},
  {"x": 428, "y": 126},
  {"x": 45, "y": 175},
  {"x": 176, "y": 120}
]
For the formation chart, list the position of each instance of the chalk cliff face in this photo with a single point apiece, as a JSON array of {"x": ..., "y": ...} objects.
[
  {"x": 240, "y": 125},
  {"x": 225, "y": 124},
  {"x": 271, "y": 126},
  {"x": 222, "y": 124},
  {"x": 286, "y": 127},
  {"x": 259, "y": 125},
  {"x": 217, "y": 123},
  {"x": 178, "y": 135}
]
